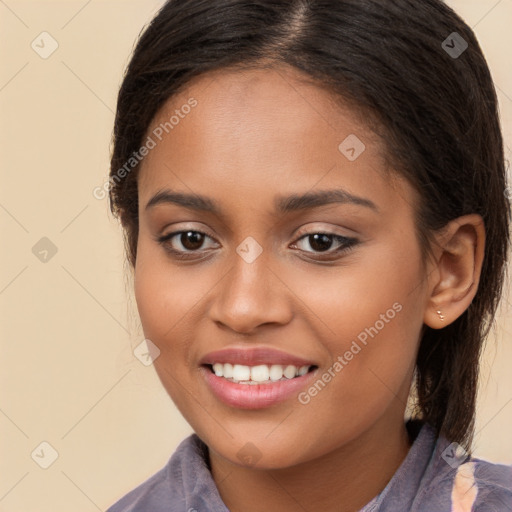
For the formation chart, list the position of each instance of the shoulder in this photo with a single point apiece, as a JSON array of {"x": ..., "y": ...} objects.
[
  {"x": 440, "y": 475},
  {"x": 153, "y": 494},
  {"x": 468, "y": 484},
  {"x": 494, "y": 486},
  {"x": 168, "y": 489}
]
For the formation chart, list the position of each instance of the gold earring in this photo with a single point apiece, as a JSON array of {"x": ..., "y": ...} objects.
[{"x": 441, "y": 316}]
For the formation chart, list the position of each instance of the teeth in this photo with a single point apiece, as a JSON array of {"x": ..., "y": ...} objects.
[
  {"x": 290, "y": 371},
  {"x": 260, "y": 373},
  {"x": 255, "y": 374},
  {"x": 241, "y": 372},
  {"x": 218, "y": 369},
  {"x": 276, "y": 372},
  {"x": 303, "y": 370},
  {"x": 227, "y": 371}
]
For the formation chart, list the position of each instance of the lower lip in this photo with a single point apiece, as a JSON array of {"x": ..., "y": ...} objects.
[{"x": 255, "y": 396}]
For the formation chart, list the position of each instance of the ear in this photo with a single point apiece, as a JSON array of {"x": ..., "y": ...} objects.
[{"x": 454, "y": 274}]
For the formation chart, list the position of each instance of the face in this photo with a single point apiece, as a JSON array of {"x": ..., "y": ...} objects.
[{"x": 272, "y": 240}]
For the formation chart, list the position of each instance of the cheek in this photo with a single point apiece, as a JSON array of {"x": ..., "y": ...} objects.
[
  {"x": 374, "y": 318},
  {"x": 163, "y": 298},
  {"x": 166, "y": 305},
  {"x": 377, "y": 295},
  {"x": 368, "y": 379}
]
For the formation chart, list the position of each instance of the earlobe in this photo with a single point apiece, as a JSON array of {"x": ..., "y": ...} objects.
[{"x": 458, "y": 265}]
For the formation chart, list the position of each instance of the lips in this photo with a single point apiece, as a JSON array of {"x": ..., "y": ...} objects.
[{"x": 229, "y": 374}]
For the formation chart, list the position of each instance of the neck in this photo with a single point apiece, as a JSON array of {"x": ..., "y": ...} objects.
[{"x": 343, "y": 480}]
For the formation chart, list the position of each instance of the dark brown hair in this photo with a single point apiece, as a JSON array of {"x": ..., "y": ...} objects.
[{"x": 400, "y": 62}]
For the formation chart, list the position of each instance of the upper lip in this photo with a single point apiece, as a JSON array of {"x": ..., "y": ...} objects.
[{"x": 254, "y": 356}]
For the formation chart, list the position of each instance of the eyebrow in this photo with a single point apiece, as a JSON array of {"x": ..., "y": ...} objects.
[{"x": 282, "y": 204}]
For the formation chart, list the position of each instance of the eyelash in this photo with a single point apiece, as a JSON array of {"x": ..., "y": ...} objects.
[{"x": 346, "y": 243}]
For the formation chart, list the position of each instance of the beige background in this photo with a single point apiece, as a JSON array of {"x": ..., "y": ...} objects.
[{"x": 68, "y": 325}]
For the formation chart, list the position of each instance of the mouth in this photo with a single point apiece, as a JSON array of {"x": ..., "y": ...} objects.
[
  {"x": 260, "y": 374},
  {"x": 256, "y": 387},
  {"x": 255, "y": 377}
]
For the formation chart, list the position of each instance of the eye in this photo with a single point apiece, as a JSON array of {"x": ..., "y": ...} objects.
[
  {"x": 323, "y": 242},
  {"x": 189, "y": 243},
  {"x": 182, "y": 242}
]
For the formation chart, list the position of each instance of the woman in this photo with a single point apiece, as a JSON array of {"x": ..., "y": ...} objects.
[{"x": 314, "y": 201}]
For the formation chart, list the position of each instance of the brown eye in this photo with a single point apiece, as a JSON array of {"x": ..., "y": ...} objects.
[
  {"x": 183, "y": 242},
  {"x": 191, "y": 240},
  {"x": 323, "y": 242},
  {"x": 320, "y": 242}
]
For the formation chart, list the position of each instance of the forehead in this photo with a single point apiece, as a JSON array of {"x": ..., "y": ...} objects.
[
  {"x": 259, "y": 130},
  {"x": 233, "y": 102}
]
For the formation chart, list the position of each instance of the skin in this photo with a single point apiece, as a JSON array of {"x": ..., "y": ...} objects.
[{"x": 252, "y": 136}]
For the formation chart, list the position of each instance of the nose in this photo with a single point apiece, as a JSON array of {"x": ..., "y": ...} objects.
[{"x": 251, "y": 295}]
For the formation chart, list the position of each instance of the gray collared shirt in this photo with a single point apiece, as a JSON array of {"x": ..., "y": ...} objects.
[{"x": 434, "y": 477}]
